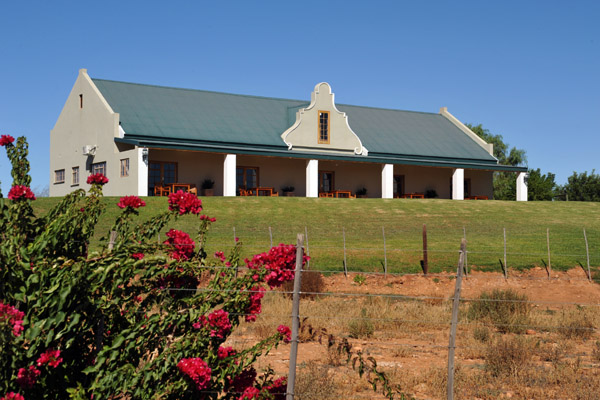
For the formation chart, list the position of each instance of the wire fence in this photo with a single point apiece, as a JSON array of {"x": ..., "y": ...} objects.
[
  {"x": 410, "y": 250},
  {"x": 440, "y": 345}
]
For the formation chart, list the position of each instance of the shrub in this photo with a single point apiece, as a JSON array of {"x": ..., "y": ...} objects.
[
  {"x": 315, "y": 383},
  {"x": 507, "y": 310},
  {"x": 127, "y": 321},
  {"x": 361, "y": 327},
  {"x": 481, "y": 333},
  {"x": 508, "y": 357},
  {"x": 576, "y": 324},
  {"x": 311, "y": 285},
  {"x": 359, "y": 279}
]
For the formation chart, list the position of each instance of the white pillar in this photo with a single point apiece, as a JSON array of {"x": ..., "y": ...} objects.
[
  {"x": 387, "y": 181},
  {"x": 229, "y": 166},
  {"x": 458, "y": 184},
  {"x": 312, "y": 178},
  {"x": 522, "y": 186},
  {"x": 142, "y": 171}
]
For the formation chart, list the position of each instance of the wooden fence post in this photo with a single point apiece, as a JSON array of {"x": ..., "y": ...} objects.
[
  {"x": 505, "y": 264},
  {"x": 425, "y": 262},
  {"x": 548, "y": 243},
  {"x": 112, "y": 240},
  {"x": 466, "y": 254},
  {"x": 384, "y": 253},
  {"x": 587, "y": 253},
  {"x": 306, "y": 245},
  {"x": 455, "y": 306},
  {"x": 295, "y": 319},
  {"x": 234, "y": 241},
  {"x": 345, "y": 265}
]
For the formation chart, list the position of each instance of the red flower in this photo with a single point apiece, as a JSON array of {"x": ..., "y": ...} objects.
[
  {"x": 218, "y": 323},
  {"x": 250, "y": 393},
  {"x": 97, "y": 179},
  {"x": 280, "y": 263},
  {"x": 26, "y": 377},
  {"x": 286, "y": 332},
  {"x": 278, "y": 388},
  {"x": 6, "y": 139},
  {"x": 12, "y": 396},
  {"x": 184, "y": 203},
  {"x": 225, "y": 352},
  {"x": 19, "y": 192},
  {"x": 131, "y": 201},
  {"x": 197, "y": 370},
  {"x": 137, "y": 256},
  {"x": 50, "y": 357},
  {"x": 183, "y": 245},
  {"x": 255, "y": 306},
  {"x": 13, "y": 316},
  {"x": 244, "y": 380}
]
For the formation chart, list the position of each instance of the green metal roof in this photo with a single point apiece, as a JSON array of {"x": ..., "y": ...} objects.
[{"x": 156, "y": 115}]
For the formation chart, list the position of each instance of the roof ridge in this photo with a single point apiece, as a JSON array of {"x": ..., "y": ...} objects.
[
  {"x": 259, "y": 97},
  {"x": 196, "y": 90}
]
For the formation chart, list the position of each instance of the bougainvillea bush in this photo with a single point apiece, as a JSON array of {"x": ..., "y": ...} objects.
[{"x": 132, "y": 320}]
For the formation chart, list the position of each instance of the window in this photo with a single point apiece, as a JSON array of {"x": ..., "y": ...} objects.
[
  {"x": 467, "y": 188},
  {"x": 246, "y": 178},
  {"x": 75, "y": 176},
  {"x": 99, "y": 168},
  {"x": 80, "y": 101},
  {"x": 324, "y": 127},
  {"x": 398, "y": 185},
  {"x": 59, "y": 176},
  {"x": 161, "y": 173},
  {"x": 124, "y": 167},
  {"x": 326, "y": 181}
]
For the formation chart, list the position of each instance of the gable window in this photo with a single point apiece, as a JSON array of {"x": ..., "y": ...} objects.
[
  {"x": 124, "y": 167},
  {"x": 326, "y": 183},
  {"x": 246, "y": 178},
  {"x": 324, "y": 127},
  {"x": 59, "y": 176},
  {"x": 75, "y": 176},
  {"x": 99, "y": 168},
  {"x": 161, "y": 173}
]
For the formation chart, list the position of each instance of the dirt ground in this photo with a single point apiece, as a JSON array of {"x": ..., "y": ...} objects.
[{"x": 410, "y": 352}]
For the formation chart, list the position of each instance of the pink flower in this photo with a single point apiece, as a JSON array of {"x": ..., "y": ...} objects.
[
  {"x": 217, "y": 322},
  {"x": 19, "y": 192},
  {"x": 137, "y": 256},
  {"x": 13, "y": 316},
  {"x": 184, "y": 203},
  {"x": 197, "y": 370},
  {"x": 255, "y": 306},
  {"x": 26, "y": 378},
  {"x": 131, "y": 201},
  {"x": 6, "y": 139},
  {"x": 97, "y": 179},
  {"x": 220, "y": 255},
  {"x": 286, "y": 332},
  {"x": 12, "y": 396},
  {"x": 225, "y": 352},
  {"x": 50, "y": 357},
  {"x": 183, "y": 245}
]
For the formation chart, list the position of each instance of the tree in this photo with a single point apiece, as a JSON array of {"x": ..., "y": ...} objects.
[
  {"x": 504, "y": 182},
  {"x": 540, "y": 186},
  {"x": 581, "y": 187}
]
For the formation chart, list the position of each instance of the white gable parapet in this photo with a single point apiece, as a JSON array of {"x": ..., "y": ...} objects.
[
  {"x": 489, "y": 147},
  {"x": 304, "y": 134}
]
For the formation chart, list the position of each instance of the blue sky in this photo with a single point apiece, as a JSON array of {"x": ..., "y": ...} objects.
[{"x": 528, "y": 70}]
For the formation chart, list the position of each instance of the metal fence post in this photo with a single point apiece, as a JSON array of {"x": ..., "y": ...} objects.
[
  {"x": 505, "y": 264},
  {"x": 271, "y": 236},
  {"x": 306, "y": 244},
  {"x": 425, "y": 262},
  {"x": 548, "y": 243},
  {"x": 455, "y": 306},
  {"x": 295, "y": 318}
]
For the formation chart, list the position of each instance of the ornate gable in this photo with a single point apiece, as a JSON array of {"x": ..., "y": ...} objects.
[{"x": 322, "y": 127}]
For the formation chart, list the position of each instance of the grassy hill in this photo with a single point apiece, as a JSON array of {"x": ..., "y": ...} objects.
[{"x": 361, "y": 221}]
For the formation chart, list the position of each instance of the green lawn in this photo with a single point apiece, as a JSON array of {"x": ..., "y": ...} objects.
[{"x": 362, "y": 220}]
